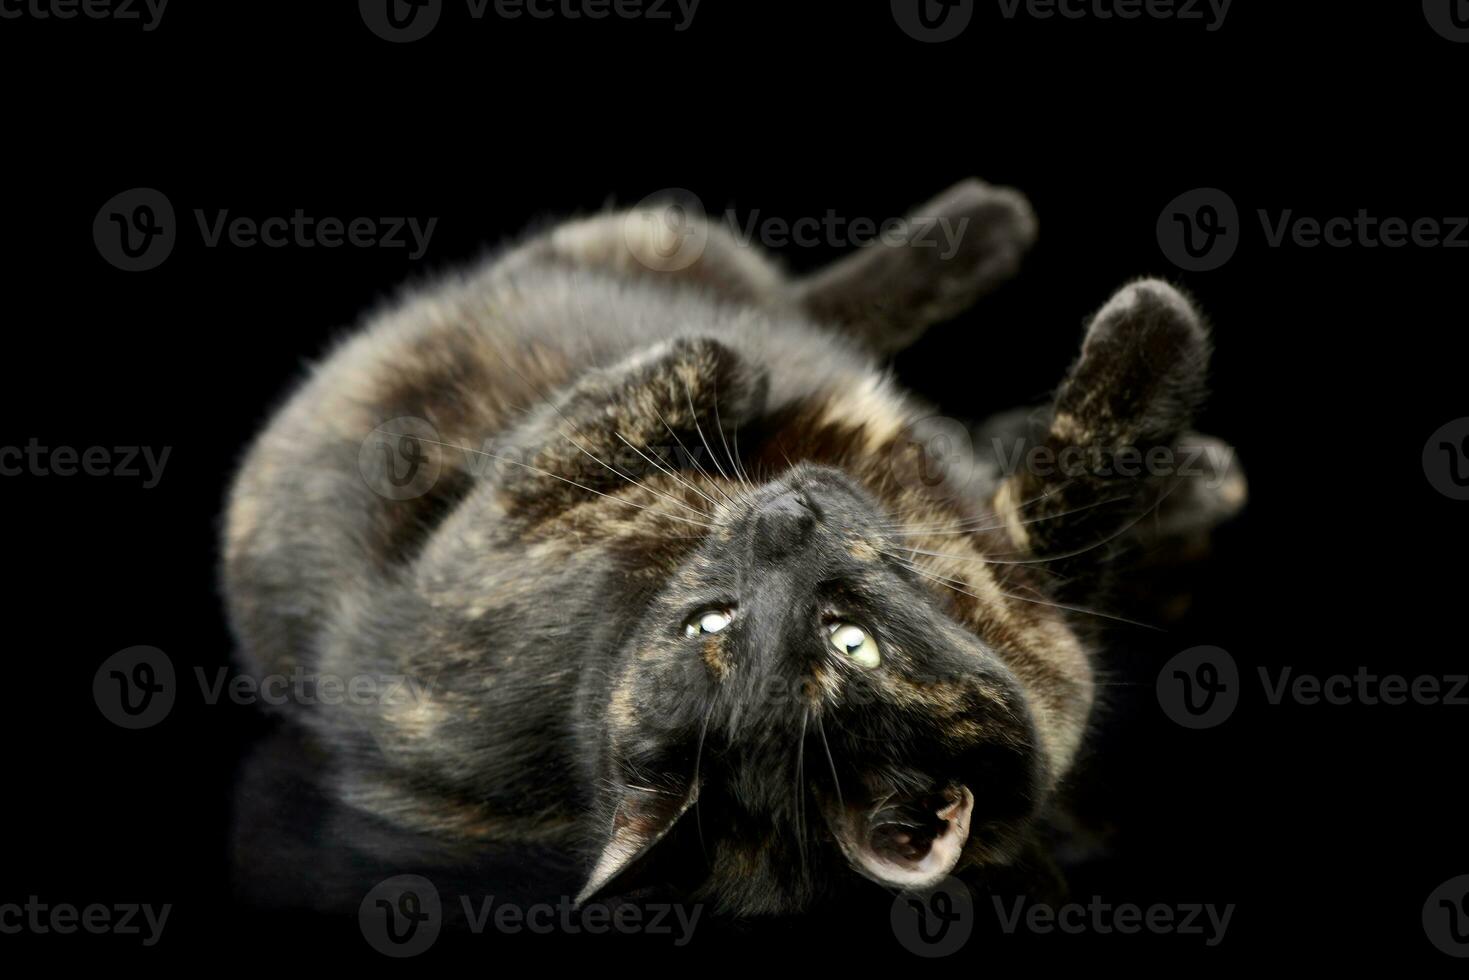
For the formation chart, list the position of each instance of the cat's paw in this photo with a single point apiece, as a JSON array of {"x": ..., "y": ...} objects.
[
  {"x": 1110, "y": 455},
  {"x": 1141, "y": 373},
  {"x": 943, "y": 256},
  {"x": 978, "y": 234}
]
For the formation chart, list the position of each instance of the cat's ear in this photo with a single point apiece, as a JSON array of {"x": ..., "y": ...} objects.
[
  {"x": 1110, "y": 453},
  {"x": 641, "y": 818}
]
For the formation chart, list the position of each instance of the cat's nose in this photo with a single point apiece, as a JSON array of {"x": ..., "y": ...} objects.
[{"x": 783, "y": 525}]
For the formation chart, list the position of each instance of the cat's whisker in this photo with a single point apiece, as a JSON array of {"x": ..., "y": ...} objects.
[
  {"x": 954, "y": 585},
  {"x": 734, "y": 464},
  {"x": 1119, "y": 532},
  {"x": 656, "y": 465},
  {"x": 537, "y": 469},
  {"x": 1001, "y": 526},
  {"x": 736, "y": 457},
  {"x": 835, "y": 780},
  {"x": 1085, "y": 611},
  {"x": 1049, "y": 492},
  {"x": 801, "y": 787},
  {"x": 714, "y": 484},
  {"x": 713, "y": 457},
  {"x": 698, "y": 760},
  {"x": 658, "y": 493}
]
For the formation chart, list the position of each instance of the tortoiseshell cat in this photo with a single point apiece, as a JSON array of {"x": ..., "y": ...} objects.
[{"x": 672, "y": 572}]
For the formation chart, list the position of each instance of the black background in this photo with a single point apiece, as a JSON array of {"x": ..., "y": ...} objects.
[{"x": 1328, "y": 826}]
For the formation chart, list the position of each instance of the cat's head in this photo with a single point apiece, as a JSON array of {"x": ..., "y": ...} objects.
[{"x": 858, "y": 671}]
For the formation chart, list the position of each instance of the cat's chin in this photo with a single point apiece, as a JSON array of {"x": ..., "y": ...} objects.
[{"x": 905, "y": 842}]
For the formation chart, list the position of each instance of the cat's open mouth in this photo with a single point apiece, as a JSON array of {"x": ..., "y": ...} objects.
[{"x": 905, "y": 841}]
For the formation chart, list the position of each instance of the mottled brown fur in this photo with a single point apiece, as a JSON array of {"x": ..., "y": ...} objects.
[{"x": 603, "y": 441}]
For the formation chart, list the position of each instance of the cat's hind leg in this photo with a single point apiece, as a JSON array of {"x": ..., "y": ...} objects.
[{"x": 666, "y": 240}]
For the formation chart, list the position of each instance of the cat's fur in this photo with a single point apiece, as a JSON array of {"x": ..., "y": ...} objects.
[{"x": 623, "y": 422}]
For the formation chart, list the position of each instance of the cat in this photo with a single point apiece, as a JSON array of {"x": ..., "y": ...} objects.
[{"x": 649, "y": 555}]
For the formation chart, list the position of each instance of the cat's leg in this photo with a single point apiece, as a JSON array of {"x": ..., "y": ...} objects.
[
  {"x": 931, "y": 266},
  {"x": 682, "y": 396},
  {"x": 1114, "y": 449},
  {"x": 952, "y": 250}
]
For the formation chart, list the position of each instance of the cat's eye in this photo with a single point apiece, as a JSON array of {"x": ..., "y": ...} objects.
[
  {"x": 711, "y": 621},
  {"x": 854, "y": 643}
]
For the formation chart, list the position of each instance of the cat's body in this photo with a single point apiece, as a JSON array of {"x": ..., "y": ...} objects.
[{"x": 527, "y": 491}]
